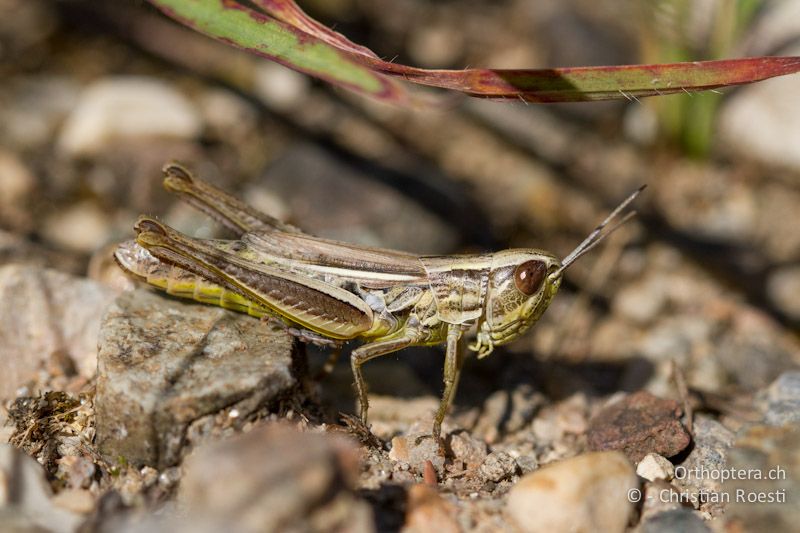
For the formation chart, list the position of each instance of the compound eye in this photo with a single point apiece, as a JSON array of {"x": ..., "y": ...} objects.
[{"x": 528, "y": 276}]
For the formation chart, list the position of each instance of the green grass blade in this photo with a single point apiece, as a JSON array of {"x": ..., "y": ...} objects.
[{"x": 280, "y": 31}]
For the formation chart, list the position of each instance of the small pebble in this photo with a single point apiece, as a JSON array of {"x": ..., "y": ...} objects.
[
  {"x": 783, "y": 286},
  {"x": 417, "y": 451},
  {"x": 78, "y": 470},
  {"x": 498, "y": 466},
  {"x": 527, "y": 463},
  {"x": 279, "y": 87},
  {"x": 589, "y": 492},
  {"x": 468, "y": 449},
  {"x": 78, "y": 501},
  {"x": 82, "y": 227},
  {"x": 17, "y": 184},
  {"x": 654, "y": 467},
  {"x": 637, "y": 425},
  {"x": 428, "y": 511},
  {"x": 127, "y": 107},
  {"x": 642, "y": 302},
  {"x": 429, "y": 474}
]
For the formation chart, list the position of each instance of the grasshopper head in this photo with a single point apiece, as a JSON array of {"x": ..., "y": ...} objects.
[
  {"x": 521, "y": 285},
  {"x": 523, "y": 282}
]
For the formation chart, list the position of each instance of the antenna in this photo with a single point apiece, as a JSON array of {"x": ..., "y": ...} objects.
[{"x": 597, "y": 235}]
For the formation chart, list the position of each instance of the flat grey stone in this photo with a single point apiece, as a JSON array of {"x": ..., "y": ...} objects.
[
  {"x": 47, "y": 318},
  {"x": 163, "y": 363}
]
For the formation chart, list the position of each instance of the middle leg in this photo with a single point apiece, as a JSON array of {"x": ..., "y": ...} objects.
[
  {"x": 452, "y": 370},
  {"x": 364, "y": 353}
]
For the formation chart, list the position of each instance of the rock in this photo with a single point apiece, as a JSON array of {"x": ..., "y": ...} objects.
[
  {"x": 274, "y": 479},
  {"x": 428, "y": 511},
  {"x": 754, "y": 351},
  {"x": 637, "y": 425},
  {"x": 467, "y": 449},
  {"x": 27, "y": 30},
  {"x": 126, "y": 108},
  {"x": 498, "y": 466},
  {"x": 674, "y": 338},
  {"x": 33, "y": 109},
  {"x": 783, "y": 400},
  {"x": 416, "y": 448},
  {"x": 81, "y": 227},
  {"x": 228, "y": 115},
  {"x": 48, "y": 319},
  {"x": 26, "y": 494},
  {"x": 527, "y": 463},
  {"x": 704, "y": 201},
  {"x": 654, "y": 467},
  {"x": 78, "y": 501},
  {"x": 778, "y": 24},
  {"x": 163, "y": 364},
  {"x": 699, "y": 474},
  {"x": 778, "y": 202},
  {"x": 642, "y": 302},
  {"x": 589, "y": 492},
  {"x": 279, "y": 87},
  {"x": 674, "y": 521},
  {"x": 17, "y": 184},
  {"x": 783, "y": 286},
  {"x": 77, "y": 471},
  {"x": 765, "y": 496},
  {"x": 762, "y": 121}
]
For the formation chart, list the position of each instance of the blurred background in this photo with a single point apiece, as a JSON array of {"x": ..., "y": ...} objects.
[{"x": 96, "y": 96}]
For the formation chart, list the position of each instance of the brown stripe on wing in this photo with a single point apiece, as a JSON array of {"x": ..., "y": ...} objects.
[{"x": 318, "y": 306}]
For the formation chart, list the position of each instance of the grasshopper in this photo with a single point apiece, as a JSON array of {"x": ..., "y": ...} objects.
[{"x": 330, "y": 292}]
